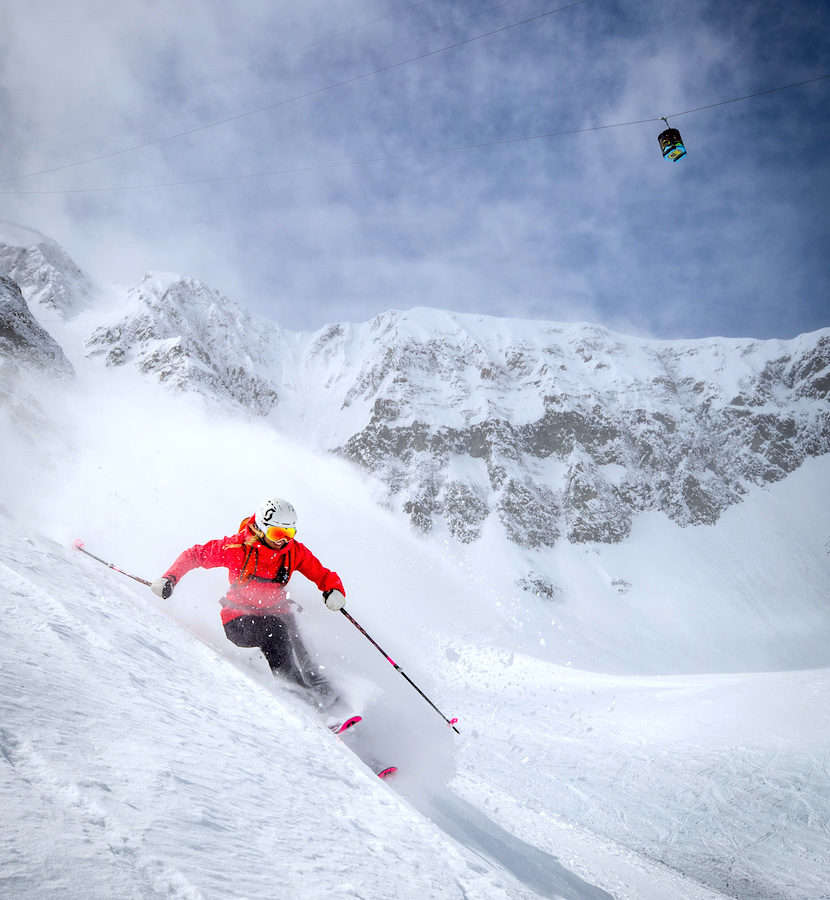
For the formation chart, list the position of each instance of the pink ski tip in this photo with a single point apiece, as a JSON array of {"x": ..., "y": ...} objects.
[
  {"x": 387, "y": 772},
  {"x": 350, "y": 723},
  {"x": 79, "y": 543},
  {"x": 345, "y": 726}
]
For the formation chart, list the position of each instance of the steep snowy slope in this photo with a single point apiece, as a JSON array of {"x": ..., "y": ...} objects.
[
  {"x": 135, "y": 763},
  {"x": 139, "y": 761}
]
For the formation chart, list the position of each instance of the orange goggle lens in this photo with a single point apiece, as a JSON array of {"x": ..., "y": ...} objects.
[{"x": 278, "y": 533}]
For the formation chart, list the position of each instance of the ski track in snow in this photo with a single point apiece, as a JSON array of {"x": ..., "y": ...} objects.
[{"x": 724, "y": 778}]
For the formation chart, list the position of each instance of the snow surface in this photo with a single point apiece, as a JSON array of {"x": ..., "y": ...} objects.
[{"x": 143, "y": 756}]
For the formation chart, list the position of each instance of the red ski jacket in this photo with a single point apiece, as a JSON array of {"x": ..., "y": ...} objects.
[{"x": 257, "y": 574}]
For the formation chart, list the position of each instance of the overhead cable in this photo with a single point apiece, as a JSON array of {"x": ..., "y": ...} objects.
[
  {"x": 291, "y": 77},
  {"x": 225, "y": 77},
  {"x": 417, "y": 153},
  {"x": 321, "y": 90}
]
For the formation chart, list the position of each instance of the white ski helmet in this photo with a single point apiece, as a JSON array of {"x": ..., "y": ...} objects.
[{"x": 275, "y": 513}]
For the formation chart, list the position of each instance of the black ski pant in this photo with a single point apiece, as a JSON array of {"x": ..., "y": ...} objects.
[{"x": 279, "y": 640}]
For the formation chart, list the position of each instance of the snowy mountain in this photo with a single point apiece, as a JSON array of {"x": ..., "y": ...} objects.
[
  {"x": 572, "y": 431},
  {"x": 31, "y": 364},
  {"x": 191, "y": 338},
  {"x": 556, "y": 432},
  {"x": 559, "y": 438},
  {"x": 48, "y": 278},
  {"x": 640, "y": 670}
]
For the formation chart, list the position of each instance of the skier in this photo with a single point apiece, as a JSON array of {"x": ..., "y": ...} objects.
[{"x": 256, "y": 611}]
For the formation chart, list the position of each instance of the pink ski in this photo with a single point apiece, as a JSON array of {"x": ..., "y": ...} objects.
[{"x": 340, "y": 727}]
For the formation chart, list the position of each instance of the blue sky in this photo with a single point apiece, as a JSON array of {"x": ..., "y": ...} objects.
[{"x": 593, "y": 226}]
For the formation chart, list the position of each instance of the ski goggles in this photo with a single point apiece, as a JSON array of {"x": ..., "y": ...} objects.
[{"x": 278, "y": 533}]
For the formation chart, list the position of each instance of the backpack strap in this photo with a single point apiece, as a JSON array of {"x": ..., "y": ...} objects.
[{"x": 248, "y": 571}]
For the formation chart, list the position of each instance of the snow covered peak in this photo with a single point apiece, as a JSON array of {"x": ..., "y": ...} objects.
[
  {"x": 21, "y": 235},
  {"x": 468, "y": 416},
  {"x": 542, "y": 430},
  {"x": 189, "y": 336},
  {"x": 49, "y": 280}
]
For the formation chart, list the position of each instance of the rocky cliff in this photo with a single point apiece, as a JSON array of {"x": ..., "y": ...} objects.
[
  {"x": 546, "y": 432},
  {"x": 571, "y": 431}
]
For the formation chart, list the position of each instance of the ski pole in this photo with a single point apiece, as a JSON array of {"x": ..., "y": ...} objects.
[
  {"x": 79, "y": 544},
  {"x": 450, "y": 722}
]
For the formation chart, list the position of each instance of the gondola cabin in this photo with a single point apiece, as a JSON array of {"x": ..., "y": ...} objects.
[{"x": 671, "y": 144}]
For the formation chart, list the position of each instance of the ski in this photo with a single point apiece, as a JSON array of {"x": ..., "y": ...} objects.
[{"x": 340, "y": 727}]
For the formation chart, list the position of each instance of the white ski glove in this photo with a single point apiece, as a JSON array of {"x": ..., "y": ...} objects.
[
  {"x": 163, "y": 587},
  {"x": 334, "y": 600}
]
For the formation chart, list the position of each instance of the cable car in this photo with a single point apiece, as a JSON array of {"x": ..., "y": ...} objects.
[{"x": 671, "y": 143}]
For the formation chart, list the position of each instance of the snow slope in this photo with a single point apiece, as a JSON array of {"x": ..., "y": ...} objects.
[
  {"x": 138, "y": 762},
  {"x": 144, "y": 756},
  {"x": 653, "y": 727}
]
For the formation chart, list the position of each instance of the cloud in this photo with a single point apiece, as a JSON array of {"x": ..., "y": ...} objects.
[{"x": 592, "y": 226}]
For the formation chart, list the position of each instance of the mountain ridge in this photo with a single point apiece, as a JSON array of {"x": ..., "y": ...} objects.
[{"x": 559, "y": 431}]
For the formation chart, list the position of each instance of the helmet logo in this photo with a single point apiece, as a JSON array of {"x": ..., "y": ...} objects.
[{"x": 276, "y": 512}]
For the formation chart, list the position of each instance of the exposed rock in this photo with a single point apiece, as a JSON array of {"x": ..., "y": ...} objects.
[
  {"x": 22, "y": 340},
  {"x": 810, "y": 373},
  {"x": 530, "y": 513},
  {"x": 594, "y": 510},
  {"x": 539, "y": 586},
  {"x": 30, "y": 360},
  {"x": 560, "y": 431},
  {"x": 465, "y": 508}
]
